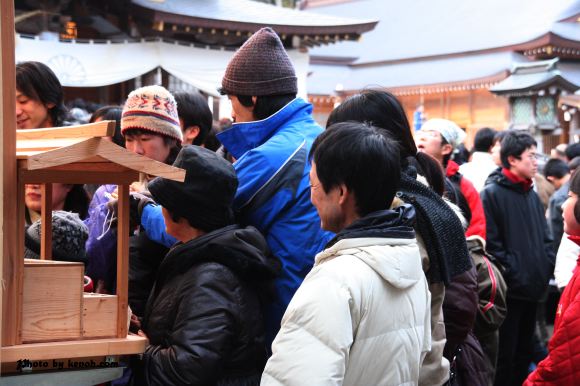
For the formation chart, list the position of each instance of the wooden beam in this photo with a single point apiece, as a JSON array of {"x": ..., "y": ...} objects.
[
  {"x": 46, "y": 222},
  {"x": 77, "y": 177},
  {"x": 92, "y": 147},
  {"x": 123, "y": 229},
  {"x": 10, "y": 261},
  {"x": 132, "y": 344},
  {"x": 97, "y": 129},
  {"x": 105, "y": 166},
  {"x": 34, "y": 146}
]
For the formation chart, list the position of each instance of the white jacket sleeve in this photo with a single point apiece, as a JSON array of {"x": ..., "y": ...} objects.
[
  {"x": 565, "y": 261},
  {"x": 313, "y": 344}
]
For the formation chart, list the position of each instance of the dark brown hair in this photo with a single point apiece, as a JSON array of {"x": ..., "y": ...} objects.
[{"x": 383, "y": 110}]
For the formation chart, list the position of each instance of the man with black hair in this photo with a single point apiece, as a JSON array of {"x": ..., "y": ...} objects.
[
  {"x": 195, "y": 117},
  {"x": 558, "y": 173},
  {"x": 204, "y": 316},
  {"x": 572, "y": 151},
  {"x": 518, "y": 236},
  {"x": 39, "y": 97},
  {"x": 270, "y": 141},
  {"x": 362, "y": 314},
  {"x": 481, "y": 165}
]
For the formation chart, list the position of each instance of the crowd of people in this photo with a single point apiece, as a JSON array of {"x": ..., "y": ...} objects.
[{"x": 358, "y": 254}]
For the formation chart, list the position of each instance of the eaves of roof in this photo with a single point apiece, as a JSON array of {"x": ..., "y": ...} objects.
[
  {"x": 533, "y": 82},
  {"x": 249, "y": 16}
]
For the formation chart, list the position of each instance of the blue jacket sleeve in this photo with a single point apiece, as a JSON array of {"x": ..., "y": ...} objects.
[{"x": 154, "y": 224}]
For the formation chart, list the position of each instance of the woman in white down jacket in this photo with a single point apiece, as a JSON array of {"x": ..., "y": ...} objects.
[{"x": 362, "y": 315}]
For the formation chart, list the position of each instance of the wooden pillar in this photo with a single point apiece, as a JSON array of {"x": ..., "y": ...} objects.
[
  {"x": 46, "y": 223},
  {"x": 11, "y": 264},
  {"x": 122, "y": 259}
]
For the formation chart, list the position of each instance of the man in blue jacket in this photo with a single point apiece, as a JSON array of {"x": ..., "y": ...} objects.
[{"x": 270, "y": 140}]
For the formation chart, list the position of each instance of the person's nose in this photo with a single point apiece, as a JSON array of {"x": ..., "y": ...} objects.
[{"x": 138, "y": 148}]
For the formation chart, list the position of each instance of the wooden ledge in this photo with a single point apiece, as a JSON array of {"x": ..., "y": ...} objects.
[
  {"x": 97, "y": 129},
  {"x": 133, "y": 344}
]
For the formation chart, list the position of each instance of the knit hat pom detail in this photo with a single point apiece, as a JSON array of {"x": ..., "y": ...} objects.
[{"x": 152, "y": 108}]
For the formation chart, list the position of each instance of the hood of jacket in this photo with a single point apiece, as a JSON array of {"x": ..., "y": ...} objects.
[
  {"x": 245, "y": 136},
  {"x": 383, "y": 240},
  {"x": 243, "y": 250}
]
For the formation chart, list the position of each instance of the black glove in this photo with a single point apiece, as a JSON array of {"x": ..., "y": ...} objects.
[{"x": 137, "y": 201}]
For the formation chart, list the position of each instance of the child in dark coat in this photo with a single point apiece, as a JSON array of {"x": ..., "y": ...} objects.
[{"x": 204, "y": 316}]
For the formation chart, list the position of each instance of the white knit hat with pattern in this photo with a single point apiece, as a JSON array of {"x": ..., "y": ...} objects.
[{"x": 151, "y": 108}]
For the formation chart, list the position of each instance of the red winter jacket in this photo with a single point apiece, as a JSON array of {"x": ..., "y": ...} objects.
[
  {"x": 562, "y": 366},
  {"x": 477, "y": 224}
]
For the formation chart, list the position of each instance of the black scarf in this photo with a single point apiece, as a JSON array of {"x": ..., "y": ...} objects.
[
  {"x": 394, "y": 224},
  {"x": 439, "y": 227}
]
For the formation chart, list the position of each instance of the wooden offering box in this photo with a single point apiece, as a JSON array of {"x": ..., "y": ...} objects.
[{"x": 46, "y": 315}]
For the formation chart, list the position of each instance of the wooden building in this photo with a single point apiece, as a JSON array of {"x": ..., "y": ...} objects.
[
  {"x": 443, "y": 58},
  {"x": 181, "y": 44}
]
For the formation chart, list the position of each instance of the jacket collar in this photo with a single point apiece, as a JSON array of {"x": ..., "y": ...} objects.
[
  {"x": 243, "y": 250},
  {"x": 574, "y": 239},
  {"x": 525, "y": 184},
  {"x": 452, "y": 168},
  {"x": 243, "y": 137},
  {"x": 394, "y": 223}
]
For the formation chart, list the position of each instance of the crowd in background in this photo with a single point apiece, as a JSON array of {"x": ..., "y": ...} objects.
[{"x": 359, "y": 254}]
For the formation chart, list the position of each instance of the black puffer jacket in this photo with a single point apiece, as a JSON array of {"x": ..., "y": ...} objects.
[
  {"x": 145, "y": 257},
  {"x": 518, "y": 236},
  {"x": 204, "y": 317}
]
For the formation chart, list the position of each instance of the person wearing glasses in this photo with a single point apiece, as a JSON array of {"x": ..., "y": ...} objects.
[{"x": 518, "y": 236}]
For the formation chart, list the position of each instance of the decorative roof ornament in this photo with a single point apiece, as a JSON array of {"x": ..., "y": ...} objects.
[{"x": 533, "y": 78}]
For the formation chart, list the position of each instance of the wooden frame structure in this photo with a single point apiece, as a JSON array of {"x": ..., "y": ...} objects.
[
  {"x": 8, "y": 159},
  {"x": 71, "y": 155}
]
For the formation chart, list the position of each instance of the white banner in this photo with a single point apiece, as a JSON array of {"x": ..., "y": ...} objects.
[{"x": 102, "y": 64}]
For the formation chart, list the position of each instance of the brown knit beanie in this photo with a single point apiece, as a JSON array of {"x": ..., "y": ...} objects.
[
  {"x": 151, "y": 108},
  {"x": 260, "y": 67}
]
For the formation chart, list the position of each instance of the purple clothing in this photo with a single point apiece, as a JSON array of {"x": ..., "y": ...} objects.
[{"x": 102, "y": 242}]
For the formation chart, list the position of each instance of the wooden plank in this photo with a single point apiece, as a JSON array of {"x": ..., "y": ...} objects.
[
  {"x": 48, "y": 263},
  {"x": 77, "y": 177},
  {"x": 96, "y": 129},
  {"x": 141, "y": 163},
  {"x": 132, "y": 344},
  {"x": 19, "y": 267},
  {"x": 108, "y": 150},
  {"x": 9, "y": 230},
  {"x": 122, "y": 259},
  {"x": 104, "y": 166},
  {"x": 65, "y": 155},
  {"x": 39, "y": 146},
  {"x": 46, "y": 222},
  {"x": 52, "y": 301},
  {"x": 99, "y": 316}
]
